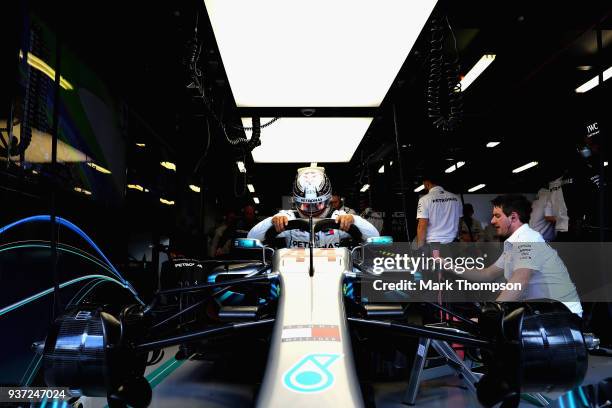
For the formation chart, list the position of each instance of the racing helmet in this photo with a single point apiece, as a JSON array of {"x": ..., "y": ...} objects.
[{"x": 312, "y": 192}]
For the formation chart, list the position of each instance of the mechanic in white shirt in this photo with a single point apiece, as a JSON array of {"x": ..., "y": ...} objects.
[
  {"x": 559, "y": 208},
  {"x": 527, "y": 258},
  {"x": 311, "y": 194},
  {"x": 542, "y": 216},
  {"x": 337, "y": 204},
  {"x": 438, "y": 214}
]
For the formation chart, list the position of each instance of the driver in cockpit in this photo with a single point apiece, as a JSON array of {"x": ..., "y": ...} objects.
[{"x": 311, "y": 196}]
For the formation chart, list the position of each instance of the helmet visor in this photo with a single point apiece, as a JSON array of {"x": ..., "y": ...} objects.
[{"x": 312, "y": 209}]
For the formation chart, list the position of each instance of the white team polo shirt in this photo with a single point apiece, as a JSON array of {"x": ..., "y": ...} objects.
[
  {"x": 558, "y": 204},
  {"x": 526, "y": 248},
  {"x": 540, "y": 209},
  {"x": 443, "y": 210}
]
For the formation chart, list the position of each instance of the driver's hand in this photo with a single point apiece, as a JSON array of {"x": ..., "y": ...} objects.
[
  {"x": 345, "y": 221},
  {"x": 280, "y": 222}
]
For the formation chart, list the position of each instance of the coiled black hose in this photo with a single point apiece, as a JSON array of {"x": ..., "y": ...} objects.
[
  {"x": 195, "y": 81},
  {"x": 445, "y": 119},
  {"x": 17, "y": 146}
]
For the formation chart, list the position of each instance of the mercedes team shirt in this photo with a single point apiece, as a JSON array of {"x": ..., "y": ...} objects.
[
  {"x": 443, "y": 210},
  {"x": 526, "y": 249}
]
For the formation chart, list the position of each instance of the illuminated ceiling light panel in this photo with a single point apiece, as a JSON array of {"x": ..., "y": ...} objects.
[
  {"x": 476, "y": 188},
  {"x": 307, "y": 140},
  {"x": 605, "y": 164},
  {"x": 454, "y": 167},
  {"x": 99, "y": 168},
  {"x": 251, "y": 188},
  {"x": 135, "y": 187},
  {"x": 382, "y": 169},
  {"x": 140, "y": 144},
  {"x": 525, "y": 167},
  {"x": 316, "y": 53},
  {"x": 241, "y": 167},
  {"x": 194, "y": 188},
  {"x": 482, "y": 64},
  {"x": 43, "y": 67},
  {"x": 419, "y": 188},
  {"x": 593, "y": 82},
  {"x": 256, "y": 200},
  {"x": 365, "y": 188},
  {"x": 492, "y": 144},
  {"x": 168, "y": 165},
  {"x": 167, "y": 202},
  {"x": 82, "y": 190}
]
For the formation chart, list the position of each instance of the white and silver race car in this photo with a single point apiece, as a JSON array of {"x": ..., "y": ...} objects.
[{"x": 299, "y": 315}]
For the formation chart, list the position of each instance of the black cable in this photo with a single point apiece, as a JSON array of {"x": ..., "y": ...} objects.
[
  {"x": 15, "y": 148},
  {"x": 444, "y": 119},
  {"x": 196, "y": 82},
  {"x": 401, "y": 173},
  {"x": 203, "y": 156}
]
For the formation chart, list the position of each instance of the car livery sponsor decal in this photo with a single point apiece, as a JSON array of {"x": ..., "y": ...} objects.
[
  {"x": 311, "y": 332},
  {"x": 301, "y": 255},
  {"x": 311, "y": 373}
]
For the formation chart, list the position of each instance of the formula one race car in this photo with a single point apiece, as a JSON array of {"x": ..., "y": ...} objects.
[{"x": 318, "y": 340}]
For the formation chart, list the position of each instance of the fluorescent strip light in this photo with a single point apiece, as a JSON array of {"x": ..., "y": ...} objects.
[
  {"x": 98, "y": 168},
  {"x": 476, "y": 188},
  {"x": 382, "y": 169},
  {"x": 340, "y": 136},
  {"x": 314, "y": 67},
  {"x": 168, "y": 165},
  {"x": 43, "y": 67},
  {"x": 492, "y": 144},
  {"x": 135, "y": 187},
  {"x": 140, "y": 144},
  {"x": 419, "y": 188},
  {"x": 256, "y": 200},
  {"x": 241, "y": 166},
  {"x": 525, "y": 167},
  {"x": 194, "y": 188},
  {"x": 82, "y": 190},
  {"x": 251, "y": 188},
  {"x": 167, "y": 202},
  {"x": 454, "y": 167},
  {"x": 476, "y": 70},
  {"x": 593, "y": 82},
  {"x": 364, "y": 188}
]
